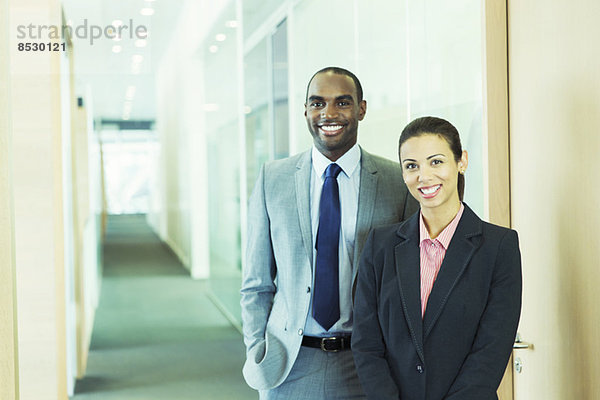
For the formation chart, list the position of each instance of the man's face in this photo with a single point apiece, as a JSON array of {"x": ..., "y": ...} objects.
[{"x": 332, "y": 113}]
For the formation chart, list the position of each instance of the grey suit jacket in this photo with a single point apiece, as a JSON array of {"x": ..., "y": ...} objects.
[{"x": 278, "y": 272}]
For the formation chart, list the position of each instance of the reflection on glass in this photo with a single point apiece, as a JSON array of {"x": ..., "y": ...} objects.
[
  {"x": 445, "y": 76},
  {"x": 223, "y": 149},
  {"x": 255, "y": 12},
  {"x": 257, "y": 118},
  {"x": 281, "y": 118},
  {"x": 413, "y": 57},
  {"x": 422, "y": 57},
  {"x": 315, "y": 45}
]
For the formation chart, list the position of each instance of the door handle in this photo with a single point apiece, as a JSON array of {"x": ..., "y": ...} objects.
[{"x": 520, "y": 344}]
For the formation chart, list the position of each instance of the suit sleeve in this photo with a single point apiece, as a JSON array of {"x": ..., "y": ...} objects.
[
  {"x": 484, "y": 366},
  {"x": 258, "y": 275},
  {"x": 368, "y": 344}
]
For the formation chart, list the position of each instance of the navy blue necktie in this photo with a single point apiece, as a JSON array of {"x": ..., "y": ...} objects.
[{"x": 326, "y": 299}]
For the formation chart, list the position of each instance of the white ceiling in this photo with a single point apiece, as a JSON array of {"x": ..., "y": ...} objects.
[{"x": 109, "y": 74}]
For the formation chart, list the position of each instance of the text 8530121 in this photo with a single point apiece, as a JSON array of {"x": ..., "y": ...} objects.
[{"x": 35, "y": 46}]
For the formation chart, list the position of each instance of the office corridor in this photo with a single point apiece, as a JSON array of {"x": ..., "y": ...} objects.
[{"x": 157, "y": 335}]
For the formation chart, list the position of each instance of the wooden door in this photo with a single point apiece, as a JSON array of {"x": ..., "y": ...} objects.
[
  {"x": 495, "y": 128},
  {"x": 554, "y": 146}
]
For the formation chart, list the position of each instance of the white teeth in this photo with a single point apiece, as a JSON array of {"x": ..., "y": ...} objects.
[
  {"x": 331, "y": 128},
  {"x": 430, "y": 190}
]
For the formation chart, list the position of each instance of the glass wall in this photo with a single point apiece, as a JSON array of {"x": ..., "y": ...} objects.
[
  {"x": 222, "y": 125},
  {"x": 281, "y": 118},
  {"x": 413, "y": 57},
  {"x": 315, "y": 44},
  {"x": 445, "y": 75},
  {"x": 266, "y": 106},
  {"x": 382, "y": 67},
  {"x": 257, "y": 72}
]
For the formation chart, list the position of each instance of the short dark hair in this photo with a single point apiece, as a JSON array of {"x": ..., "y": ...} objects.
[
  {"x": 339, "y": 71},
  {"x": 441, "y": 127}
]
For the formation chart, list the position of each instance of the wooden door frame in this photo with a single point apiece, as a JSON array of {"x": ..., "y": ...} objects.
[
  {"x": 495, "y": 114},
  {"x": 496, "y": 132}
]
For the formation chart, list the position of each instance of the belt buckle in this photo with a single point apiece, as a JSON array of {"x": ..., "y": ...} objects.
[{"x": 330, "y": 339}]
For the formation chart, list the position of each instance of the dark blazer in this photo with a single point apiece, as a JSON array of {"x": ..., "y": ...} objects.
[{"x": 460, "y": 349}]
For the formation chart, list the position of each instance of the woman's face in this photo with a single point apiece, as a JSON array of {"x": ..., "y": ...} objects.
[{"x": 431, "y": 172}]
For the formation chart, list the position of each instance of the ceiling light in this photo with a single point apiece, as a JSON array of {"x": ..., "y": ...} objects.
[
  {"x": 117, "y": 38},
  {"x": 147, "y": 11},
  {"x": 130, "y": 92},
  {"x": 214, "y": 48},
  {"x": 117, "y": 49},
  {"x": 140, "y": 43},
  {"x": 117, "y": 23},
  {"x": 136, "y": 62},
  {"x": 220, "y": 37},
  {"x": 209, "y": 107},
  {"x": 231, "y": 24}
]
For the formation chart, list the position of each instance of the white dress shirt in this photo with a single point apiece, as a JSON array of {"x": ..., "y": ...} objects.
[{"x": 349, "y": 185}]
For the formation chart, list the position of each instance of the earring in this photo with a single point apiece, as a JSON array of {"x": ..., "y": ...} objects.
[{"x": 462, "y": 172}]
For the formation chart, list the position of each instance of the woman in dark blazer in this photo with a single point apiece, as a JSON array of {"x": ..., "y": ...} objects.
[{"x": 438, "y": 297}]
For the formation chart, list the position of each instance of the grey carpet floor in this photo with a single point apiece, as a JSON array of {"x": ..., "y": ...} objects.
[{"x": 156, "y": 333}]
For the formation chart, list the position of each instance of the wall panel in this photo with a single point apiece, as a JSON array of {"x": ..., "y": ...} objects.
[
  {"x": 37, "y": 151},
  {"x": 8, "y": 302}
]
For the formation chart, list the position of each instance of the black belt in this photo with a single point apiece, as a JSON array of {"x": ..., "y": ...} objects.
[{"x": 329, "y": 344}]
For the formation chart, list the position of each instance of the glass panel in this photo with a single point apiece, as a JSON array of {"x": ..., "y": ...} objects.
[
  {"x": 414, "y": 58},
  {"x": 255, "y": 12},
  {"x": 281, "y": 118},
  {"x": 221, "y": 88},
  {"x": 421, "y": 58},
  {"x": 382, "y": 70},
  {"x": 258, "y": 124},
  {"x": 317, "y": 45},
  {"x": 445, "y": 69}
]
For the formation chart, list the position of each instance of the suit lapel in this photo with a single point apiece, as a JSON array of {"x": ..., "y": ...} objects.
[
  {"x": 366, "y": 205},
  {"x": 461, "y": 249},
  {"x": 302, "y": 178},
  {"x": 407, "y": 259}
]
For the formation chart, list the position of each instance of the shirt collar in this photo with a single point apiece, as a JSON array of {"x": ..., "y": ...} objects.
[
  {"x": 446, "y": 235},
  {"x": 348, "y": 162}
]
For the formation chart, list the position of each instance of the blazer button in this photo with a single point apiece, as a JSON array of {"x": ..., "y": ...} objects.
[
  {"x": 300, "y": 332},
  {"x": 420, "y": 368},
  {"x": 308, "y": 289}
]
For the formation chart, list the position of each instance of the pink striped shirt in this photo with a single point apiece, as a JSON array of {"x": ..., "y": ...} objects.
[{"x": 432, "y": 254}]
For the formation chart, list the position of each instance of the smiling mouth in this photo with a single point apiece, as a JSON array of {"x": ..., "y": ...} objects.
[
  {"x": 331, "y": 129},
  {"x": 429, "y": 191}
]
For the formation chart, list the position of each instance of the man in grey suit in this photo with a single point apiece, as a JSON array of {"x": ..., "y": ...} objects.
[{"x": 297, "y": 301}]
